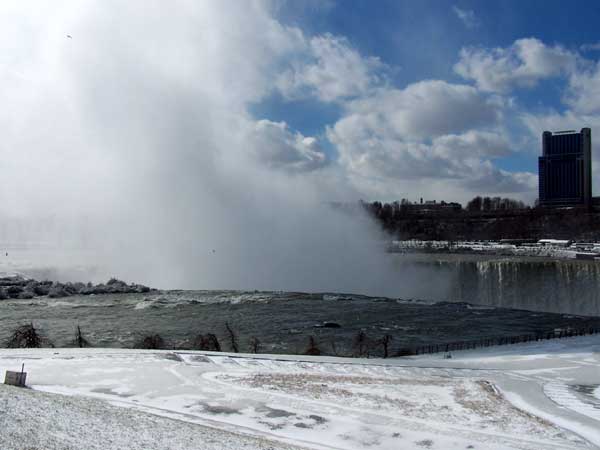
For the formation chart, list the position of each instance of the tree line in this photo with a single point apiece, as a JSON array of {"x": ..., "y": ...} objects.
[
  {"x": 362, "y": 345},
  {"x": 494, "y": 204},
  {"x": 391, "y": 214}
]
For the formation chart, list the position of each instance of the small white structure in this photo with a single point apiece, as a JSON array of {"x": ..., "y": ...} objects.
[{"x": 554, "y": 242}]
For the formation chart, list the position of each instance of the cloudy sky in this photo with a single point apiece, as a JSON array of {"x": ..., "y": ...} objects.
[
  {"x": 376, "y": 100},
  {"x": 444, "y": 99}
]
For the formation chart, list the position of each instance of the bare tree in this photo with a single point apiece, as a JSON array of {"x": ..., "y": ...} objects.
[
  {"x": 361, "y": 344},
  {"x": 79, "y": 340},
  {"x": 254, "y": 345},
  {"x": 334, "y": 347},
  {"x": 232, "y": 338},
  {"x": 313, "y": 347},
  {"x": 385, "y": 343}
]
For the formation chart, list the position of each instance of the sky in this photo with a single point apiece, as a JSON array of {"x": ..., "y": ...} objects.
[
  {"x": 172, "y": 129},
  {"x": 516, "y": 69},
  {"x": 393, "y": 99}
]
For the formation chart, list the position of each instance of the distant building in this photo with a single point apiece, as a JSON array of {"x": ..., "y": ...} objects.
[
  {"x": 565, "y": 168},
  {"x": 431, "y": 206}
]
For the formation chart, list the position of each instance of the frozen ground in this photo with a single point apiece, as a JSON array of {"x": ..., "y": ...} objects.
[
  {"x": 37, "y": 420},
  {"x": 529, "y": 396}
]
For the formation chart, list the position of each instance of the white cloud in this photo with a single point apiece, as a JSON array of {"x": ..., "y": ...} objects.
[
  {"x": 444, "y": 133},
  {"x": 330, "y": 69},
  {"x": 467, "y": 17},
  {"x": 473, "y": 144},
  {"x": 536, "y": 123},
  {"x": 523, "y": 64},
  {"x": 276, "y": 146},
  {"x": 489, "y": 180},
  {"x": 423, "y": 110},
  {"x": 583, "y": 93}
]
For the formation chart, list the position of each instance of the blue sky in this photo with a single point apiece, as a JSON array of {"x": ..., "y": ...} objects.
[{"x": 422, "y": 40}]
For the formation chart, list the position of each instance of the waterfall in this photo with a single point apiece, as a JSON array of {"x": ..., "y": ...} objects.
[{"x": 561, "y": 286}]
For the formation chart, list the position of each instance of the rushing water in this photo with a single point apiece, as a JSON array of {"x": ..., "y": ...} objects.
[
  {"x": 538, "y": 284},
  {"x": 281, "y": 321},
  {"x": 555, "y": 293}
]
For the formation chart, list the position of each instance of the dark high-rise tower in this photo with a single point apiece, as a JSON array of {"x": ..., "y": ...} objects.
[{"x": 565, "y": 168}]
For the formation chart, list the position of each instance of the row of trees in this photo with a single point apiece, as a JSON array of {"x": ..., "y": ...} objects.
[
  {"x": 363, "y": 346},
  {"x": 389, "y": 214},
  {"x": 494, "y": 204}
]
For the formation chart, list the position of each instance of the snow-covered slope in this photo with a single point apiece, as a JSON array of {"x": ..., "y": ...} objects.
[
  {"x": 37, "y": 420},
  {"x": 537, "y": 396}
]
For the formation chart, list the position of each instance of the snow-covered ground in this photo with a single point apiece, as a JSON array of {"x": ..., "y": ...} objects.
[{"x": 527, "y": 396}]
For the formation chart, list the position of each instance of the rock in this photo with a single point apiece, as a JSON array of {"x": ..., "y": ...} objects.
[
  {"x": 87, "y": 290},
  {"x": 16, "y": 280},
  {"x": 70, "y": 289},
  {"x": 26, "y": 294},
  {"x": 19, "y": 287},
  {"x": 57, "y": 291},
  {"x": 328, "y": 325},
  {"x": 41, "y": 289},
  {"x": 13, "y": 291},
  {"x": 100, "y": 289}
]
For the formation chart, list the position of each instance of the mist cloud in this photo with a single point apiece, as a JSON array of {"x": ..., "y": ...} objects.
[{"x": 137, "y": 126}]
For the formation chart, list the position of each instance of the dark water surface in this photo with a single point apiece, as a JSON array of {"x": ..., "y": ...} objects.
[{"x": 282, "y": 322}]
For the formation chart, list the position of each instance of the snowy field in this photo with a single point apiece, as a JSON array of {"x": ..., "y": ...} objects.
[{"x": 527, "y": 396}]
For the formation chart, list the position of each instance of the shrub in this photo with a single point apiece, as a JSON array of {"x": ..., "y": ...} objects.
[
  {"x": 207, "y": 342},
  {"x": 150, "y": 342},
  {"x": 313, "y": 347},
  {"x": 254, "y": 345},
  {"x": 27, "y": 336}
]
